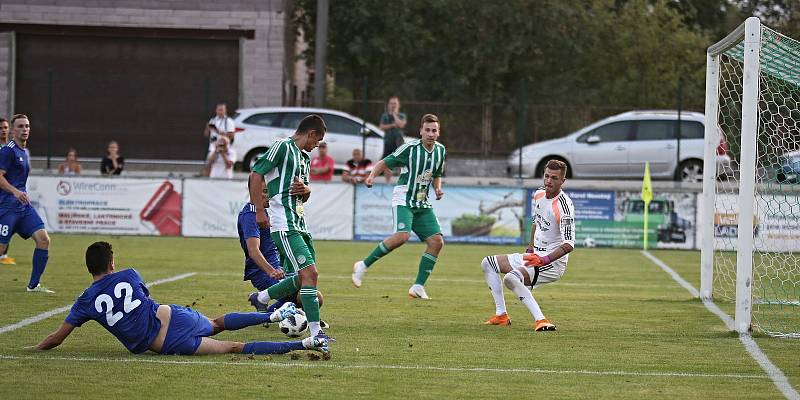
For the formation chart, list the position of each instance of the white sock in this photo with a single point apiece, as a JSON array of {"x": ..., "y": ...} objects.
[
  {"x": 314, "y": 328},
  {"x": 514, "y": 282},
  {"x": 492, "y": 276},
  {"x": 263, "y": 297}
]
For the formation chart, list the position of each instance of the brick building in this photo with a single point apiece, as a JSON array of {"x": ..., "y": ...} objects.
[{"x": 146, "y": 73}]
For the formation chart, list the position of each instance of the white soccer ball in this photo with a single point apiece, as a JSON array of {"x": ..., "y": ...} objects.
[
  {"x": 589, "y": 242},
  {"x": 294, "y": 326}
]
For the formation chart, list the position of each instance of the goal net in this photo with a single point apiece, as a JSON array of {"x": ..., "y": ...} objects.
[{"x": 751, "y": 263}]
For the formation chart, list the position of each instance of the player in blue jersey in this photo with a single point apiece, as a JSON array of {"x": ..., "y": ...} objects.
[
  {"x": 16, "y": 213},
  {"x": 121, "y": 303},
  {"x": 262, "y": 261}
]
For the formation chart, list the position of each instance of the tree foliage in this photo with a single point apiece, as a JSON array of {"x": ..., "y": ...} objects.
[{"x": 595, "y": 52}]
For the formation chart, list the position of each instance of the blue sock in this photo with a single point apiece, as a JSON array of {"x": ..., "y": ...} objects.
[
  {"x": 271, "y": 347},
  {"x": 234, "y": 321},
  {"x": 276, "y": 305},
  {"x": 40, "y": 257}
]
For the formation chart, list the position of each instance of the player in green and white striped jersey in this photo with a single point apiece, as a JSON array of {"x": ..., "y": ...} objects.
[
  {"x": 285, "y": 168},
  {"x": 423, "y": 163}
]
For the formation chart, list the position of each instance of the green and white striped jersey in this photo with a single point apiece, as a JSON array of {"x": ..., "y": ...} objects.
[
  {"x": 420, "y": 167},
  {"x": 280, "y": 165}
]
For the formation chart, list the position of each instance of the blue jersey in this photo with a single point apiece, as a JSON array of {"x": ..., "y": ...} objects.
[
  {"x": 121, "y": 303},
  {"x": 248, "y": 228},
  {"x": 14, "y": 161}
]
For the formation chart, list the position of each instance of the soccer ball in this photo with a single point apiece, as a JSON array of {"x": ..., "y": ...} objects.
[
  {"x": 589, "y": 242},
  {"x": 294, "y": 326}
]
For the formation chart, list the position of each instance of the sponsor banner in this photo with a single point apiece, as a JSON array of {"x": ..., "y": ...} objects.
[
  {"x": 616, "y": 219},
  {"x": 466, "y": 214},
  {"x": 776, "y": 223},
  {"x": 211, "y": 209},
  {"x": 108, "y": 205}
]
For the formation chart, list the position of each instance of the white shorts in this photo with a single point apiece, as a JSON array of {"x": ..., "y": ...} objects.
[{"x": 542, "y": 275}]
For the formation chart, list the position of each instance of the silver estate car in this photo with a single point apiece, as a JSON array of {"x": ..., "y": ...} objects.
[
  {"x": 258, "y": 128},
  {"x": 619, "y": 146}
]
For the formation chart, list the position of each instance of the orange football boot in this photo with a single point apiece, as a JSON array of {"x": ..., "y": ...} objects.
[
  {"x": 501, "y": 319},
  {"x": 543, "y": 325}
]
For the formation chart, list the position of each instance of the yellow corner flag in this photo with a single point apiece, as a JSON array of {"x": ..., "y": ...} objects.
[{"x": 647, "y": 196}]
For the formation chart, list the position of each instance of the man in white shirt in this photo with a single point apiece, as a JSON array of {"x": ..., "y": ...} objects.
[
  {"x": 220, "y": 162},
  {"x": 219, "y": 125},
  {"x": 545, "y": 260}
]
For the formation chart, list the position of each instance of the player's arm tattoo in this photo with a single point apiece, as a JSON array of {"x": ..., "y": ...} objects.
[{"x": 560, "y": 251}]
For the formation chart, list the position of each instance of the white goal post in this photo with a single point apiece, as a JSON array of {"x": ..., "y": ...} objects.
[{"x": 750, "y": 222}]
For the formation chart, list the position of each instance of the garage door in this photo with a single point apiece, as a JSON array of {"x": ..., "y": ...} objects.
[{"x": 152, "y": 95}]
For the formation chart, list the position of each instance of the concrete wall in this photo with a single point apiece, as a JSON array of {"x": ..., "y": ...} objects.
[{"x": 262, "y": 60}]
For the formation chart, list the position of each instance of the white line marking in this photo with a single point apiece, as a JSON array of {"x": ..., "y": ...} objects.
[
  {"x": 410, "y": 279},
  {"x": 774, "y": 373},
  {"x": 323, "y": 364},
  {"x": 686, "y": 285},
  {"x": 48, "y": 314}
]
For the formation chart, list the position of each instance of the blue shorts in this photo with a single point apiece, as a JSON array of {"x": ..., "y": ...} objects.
[
  {"x": 259, "y": 278},
  {"x": 23, "y": 222},
  {"x": 187, "y": 328}
]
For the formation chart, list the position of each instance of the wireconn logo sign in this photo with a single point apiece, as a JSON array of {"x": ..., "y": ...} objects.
[{"x": 65, "y": 188}]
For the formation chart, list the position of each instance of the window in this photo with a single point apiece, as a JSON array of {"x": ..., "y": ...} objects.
[
  {"x": 692, "y": 130},
  {"x": 266, "y": 119},
  {"x": 292, "y": 120},
  {"x": 339, "y": 124},
  {"x": 613, "y": 132},
  {"x": 656, "y": 130}
]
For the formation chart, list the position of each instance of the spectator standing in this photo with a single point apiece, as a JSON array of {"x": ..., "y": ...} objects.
[
  {"x": 220, "y": 162},
  {"x": 358, "y": 168},
  {"x": 322, "y": 165},
  {"x": 4, "y": 128},
  {"x": 219, "y": 125},
  {"x": 392, "y": 123},
  {"x": 112, "y": 163},
  {"x": 70, "y": 166}
]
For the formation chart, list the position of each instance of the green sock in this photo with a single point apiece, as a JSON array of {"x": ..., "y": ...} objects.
[
  {"x": 308, "y": 296},
  {"x": 426, "y": 263},
  {"x": 376, "y": 254},
  {"x": 283, "y": 288}
]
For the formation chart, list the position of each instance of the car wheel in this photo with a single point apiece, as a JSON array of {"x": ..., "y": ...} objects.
[
  {"x": 251, "y": 158},
  {"x": 690, "y": 171}
]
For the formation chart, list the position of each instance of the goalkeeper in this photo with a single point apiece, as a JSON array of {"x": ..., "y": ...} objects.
[{"x": 545, "y": 260}]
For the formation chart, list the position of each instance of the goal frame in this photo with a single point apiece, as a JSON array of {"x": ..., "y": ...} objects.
[{"x": 749, "y": 32}]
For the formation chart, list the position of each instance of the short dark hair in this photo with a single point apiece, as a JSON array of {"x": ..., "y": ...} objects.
[
  {"x": 429, "y": 118},
  {"x": 557, "y": 165},
  {"x": 3, "y": 119},
  {"x": 18, "y": 116},
  {"x": 312, "y": 122},
  {"x": 98, "y": 256}
]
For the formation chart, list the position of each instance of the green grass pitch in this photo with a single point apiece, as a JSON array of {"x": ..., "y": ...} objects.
[{"x": 626, "y": 331}]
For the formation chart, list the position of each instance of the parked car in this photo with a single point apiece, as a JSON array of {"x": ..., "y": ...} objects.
[
  {"x": 619, "y": 146},
  {"x": 258, "y": 128},
  {"x": 788, "y": 171}
]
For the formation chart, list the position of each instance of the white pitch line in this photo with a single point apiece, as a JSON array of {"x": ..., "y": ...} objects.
[
  {"x": 686, "y": 285},
  {"x": 324, "y": 364},
  {"x": 774, "y": 373},
  {"x": 56, "y": 311}
]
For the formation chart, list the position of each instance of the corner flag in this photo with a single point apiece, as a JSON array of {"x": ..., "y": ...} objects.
[{"x": 647, "y": 196}]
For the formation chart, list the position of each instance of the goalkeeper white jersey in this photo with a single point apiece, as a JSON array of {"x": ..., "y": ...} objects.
[{"x": 555, "y": 222}]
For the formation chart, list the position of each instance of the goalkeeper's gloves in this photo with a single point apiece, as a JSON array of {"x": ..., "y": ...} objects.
[{"x": 532, "y": 260}]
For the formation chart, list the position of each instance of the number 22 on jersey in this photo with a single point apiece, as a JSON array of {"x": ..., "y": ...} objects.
[{"x": 104, "y": 303}]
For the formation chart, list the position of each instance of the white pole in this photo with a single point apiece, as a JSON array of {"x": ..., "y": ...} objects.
[
  {"x": 707, "y": 199},
  {"x": 747, "y": 175}
]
